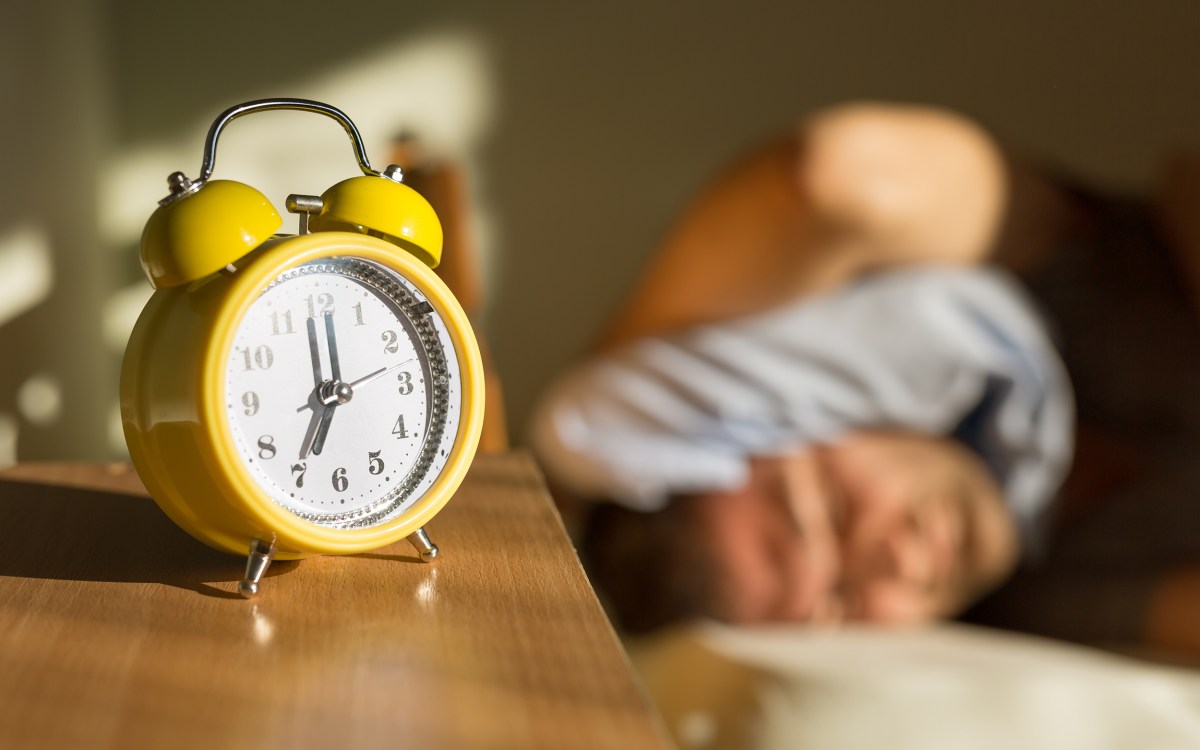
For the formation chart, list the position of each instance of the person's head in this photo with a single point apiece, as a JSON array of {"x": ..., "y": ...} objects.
[{"x": 879, "y": 527}]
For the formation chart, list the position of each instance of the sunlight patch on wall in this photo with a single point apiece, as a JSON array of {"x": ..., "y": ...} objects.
[
  {"x": 26, "y": 270},
  {"x": 121, "y": 311},
  {"x": 134, "y": 181},
  {"x": 39, "y": 399},
  {"x": 8, "y": 441},
  {"x": 437, "y": 87},
  {"x": 116, "y": 430}
]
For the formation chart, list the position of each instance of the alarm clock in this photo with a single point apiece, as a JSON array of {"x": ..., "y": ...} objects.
[{"x": 285, "y": 396}]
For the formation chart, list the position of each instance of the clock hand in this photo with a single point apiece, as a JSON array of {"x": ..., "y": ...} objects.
[
  {"x": 314, "y": 352},
  {"x": 380, "y": 373},
  {"x": 342, "y": 396},
  {"x": 334, "y": 394},
  {"x": 322, "y": 430},
  {"x": 310, "y": 435},
  {"x": 329, "y": 395},
  {"x": 335, "y": 370},
  {"x": 314, "y": 403}
]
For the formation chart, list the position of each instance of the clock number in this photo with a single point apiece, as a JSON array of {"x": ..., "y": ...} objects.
[
  {"x": 406, "y": 385},
  {"x": 376, "y": 464},
  {"x": 263, "y": 357},
  {"x": 299, "y": 469},
  {"x": 390, "y": 347},
  {"x": 358, "y": 319},
  {"x": 324, "y": 299},
  {"x": 399, "y": 430},
  {"x": 340, "y": 482},
  {"x": 266, "y": 447},
  {"x": 250, "y": 401},
  {"x": 276, "y": 330}
]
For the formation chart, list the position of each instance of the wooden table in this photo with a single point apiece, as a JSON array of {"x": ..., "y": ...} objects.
[{"x": 119, "y": 630}]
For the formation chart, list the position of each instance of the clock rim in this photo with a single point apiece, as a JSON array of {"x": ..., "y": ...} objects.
[{"x": 295, "y": 536}]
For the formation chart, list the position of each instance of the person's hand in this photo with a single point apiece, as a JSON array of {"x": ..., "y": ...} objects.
[{"x": 878, "y": 527}]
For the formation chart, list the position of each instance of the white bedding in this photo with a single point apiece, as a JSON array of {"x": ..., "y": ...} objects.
[{"x": 946, "y": 686}]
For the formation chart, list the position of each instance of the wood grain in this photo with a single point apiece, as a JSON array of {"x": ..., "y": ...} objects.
[{"x": 119, "y": 630}]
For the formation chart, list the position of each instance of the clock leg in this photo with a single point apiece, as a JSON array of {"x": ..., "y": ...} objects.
[
  {"x": 256, "y": 566},
  {"x": 419, "y": 539}
]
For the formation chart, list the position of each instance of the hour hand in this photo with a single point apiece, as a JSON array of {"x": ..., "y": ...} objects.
[
  {"x": 315, "y": 352},
  {"x": 308, "y": 445},
  {"x": 322, "y": 429}
]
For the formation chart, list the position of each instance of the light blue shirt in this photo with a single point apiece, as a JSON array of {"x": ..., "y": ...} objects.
[{"x": 945, "y": 351}]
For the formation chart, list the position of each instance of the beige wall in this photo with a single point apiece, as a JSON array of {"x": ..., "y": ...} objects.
[{"x": 590, "y": 126}]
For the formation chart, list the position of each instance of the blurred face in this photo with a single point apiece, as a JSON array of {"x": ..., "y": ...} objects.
[{"x": 880, "y": 527}]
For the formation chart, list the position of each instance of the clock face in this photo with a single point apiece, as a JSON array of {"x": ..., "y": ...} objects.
[{"x": 343, "y": 392}]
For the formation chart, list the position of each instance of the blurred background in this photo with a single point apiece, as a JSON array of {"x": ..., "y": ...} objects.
[{"x": 583, "y": 128}]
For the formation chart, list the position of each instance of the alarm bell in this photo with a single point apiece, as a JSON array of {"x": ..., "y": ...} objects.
[
  {"x": 197, "y": 231},
  {"x": 383, "y": 208},
  {"x": 206, "y": 225}
]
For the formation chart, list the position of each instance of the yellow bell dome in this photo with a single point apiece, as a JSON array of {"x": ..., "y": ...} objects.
[
  {"x": 199, "y": 233},
  {"x": 383, "y": 208}
]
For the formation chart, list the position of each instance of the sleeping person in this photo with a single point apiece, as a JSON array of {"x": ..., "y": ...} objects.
[{"x": 848, "y": 388}]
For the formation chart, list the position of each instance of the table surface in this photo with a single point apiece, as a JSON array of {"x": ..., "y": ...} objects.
[{"x": 119, "y": 630}]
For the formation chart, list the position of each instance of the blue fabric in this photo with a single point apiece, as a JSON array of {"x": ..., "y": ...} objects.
[{"x": 946, "y": 351}]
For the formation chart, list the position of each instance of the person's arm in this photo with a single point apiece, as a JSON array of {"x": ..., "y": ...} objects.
[{"x": 851, "y": 190}]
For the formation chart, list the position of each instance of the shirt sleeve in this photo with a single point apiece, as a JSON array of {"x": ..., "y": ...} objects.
[{"x": 945, "y": 351}]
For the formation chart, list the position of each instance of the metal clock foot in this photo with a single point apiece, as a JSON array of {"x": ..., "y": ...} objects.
[
  {"x": 256, "y": 566},
  {"x": 419, "y": 539}
]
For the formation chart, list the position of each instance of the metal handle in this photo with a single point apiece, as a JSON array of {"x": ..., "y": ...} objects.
[{"x": 263, "y": 105}]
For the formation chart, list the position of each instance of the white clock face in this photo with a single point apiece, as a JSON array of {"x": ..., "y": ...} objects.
[{"x": 343, "y": 391}]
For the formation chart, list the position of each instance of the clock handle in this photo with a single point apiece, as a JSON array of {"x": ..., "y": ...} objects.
[{"x": 265, "y": 105}]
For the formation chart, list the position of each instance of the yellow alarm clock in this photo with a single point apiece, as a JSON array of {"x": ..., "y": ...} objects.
[{"x": 285, "y": 396}]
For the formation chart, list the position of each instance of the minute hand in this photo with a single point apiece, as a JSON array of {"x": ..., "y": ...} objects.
[{"x": 335, "y": 369}]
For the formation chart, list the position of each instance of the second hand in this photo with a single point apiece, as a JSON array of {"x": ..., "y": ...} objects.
[{"x": 369, "y": 378}]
